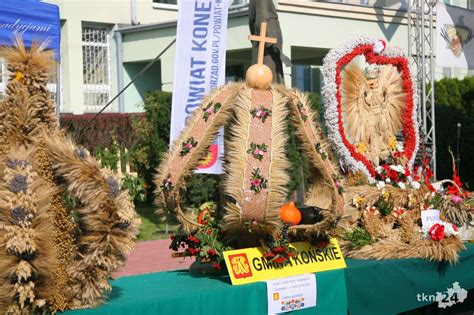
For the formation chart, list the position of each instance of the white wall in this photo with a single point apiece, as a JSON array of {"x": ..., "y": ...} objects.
[{"x": 110, "y": 13}]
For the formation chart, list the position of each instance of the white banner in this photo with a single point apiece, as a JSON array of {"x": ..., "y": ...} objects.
[
  {"x": 199, "y": 66},
  {"x": 454, "y": 32}
]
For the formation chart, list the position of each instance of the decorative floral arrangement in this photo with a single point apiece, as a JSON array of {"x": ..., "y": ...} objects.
[
  {"x": 257, "y": 150},
  {"x": 206, "y": 243},
  {"x": 261, "y": 113},
  {"x": 278, "y": 249},
  {"x": 167, "y": 184},
  {"x": 452, "y": 200},
  {"x": 187, "y": 145},
  {"x": 302, "y": 111},
  {"x": 210, "y": 109},
  {"x": 257, "y": 182},
  {"x": 375, "y": 53},
  {"x": 439, "y": 230}
]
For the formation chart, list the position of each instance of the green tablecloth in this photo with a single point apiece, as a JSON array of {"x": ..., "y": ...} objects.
[
  {"x": 391, "y": 286},
  {"x": 179, "y": 293},
  {"x": 373, "y": 287}
]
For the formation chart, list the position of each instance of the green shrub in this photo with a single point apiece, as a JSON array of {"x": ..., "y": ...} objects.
[
  {"x": 109, "y": 156},
  {"x": 358, "y": 238},
  {"x": 455, "y": 104},
  {"x": 136, "y": 187},
  {"x": 152, "y": 135}
]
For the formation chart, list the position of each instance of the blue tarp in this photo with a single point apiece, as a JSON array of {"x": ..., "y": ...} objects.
[{"x": 33, "y": 20}]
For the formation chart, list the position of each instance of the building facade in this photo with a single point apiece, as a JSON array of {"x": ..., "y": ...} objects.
[
  {"x": 105, "y": 43},
  {"x": 89, "y": 48}
]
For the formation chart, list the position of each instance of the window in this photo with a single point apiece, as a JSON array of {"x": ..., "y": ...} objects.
[
  {"x": 447, "y": 72},
  {"x": 165, "y": 1},
  {"x": 96, "y": 68},
  {"x": 302, "y": 77},
  {"x": 238, "y": 2}
]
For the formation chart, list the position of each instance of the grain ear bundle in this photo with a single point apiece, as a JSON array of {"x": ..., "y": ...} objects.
[{"x": 50, "y": 261}]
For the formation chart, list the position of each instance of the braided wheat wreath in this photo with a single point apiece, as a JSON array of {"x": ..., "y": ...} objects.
[
  {"x": 49, "y": 261},
  {"x": 253, "y": 119}
]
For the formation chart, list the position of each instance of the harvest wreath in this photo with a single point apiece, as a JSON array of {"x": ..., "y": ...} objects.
[
  {"x": 51, "y": 260},
  {"x": 375, "y": 52},
  {"x": 371, "y": 118},
  {"x": 255, "y": 185}
]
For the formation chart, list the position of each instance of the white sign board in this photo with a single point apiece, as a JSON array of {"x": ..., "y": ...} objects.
[
  {"x": 429, "y": 217},
  {"x": 201, "y": 37},
  {"x": 291, "y": 294},
  {"x": 454, "y": 37}
]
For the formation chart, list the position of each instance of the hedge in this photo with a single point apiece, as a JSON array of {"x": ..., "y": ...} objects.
[{"x": 101, "y": 133}]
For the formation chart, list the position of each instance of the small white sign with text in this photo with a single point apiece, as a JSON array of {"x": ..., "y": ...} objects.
[
  {"x": 291, "y": 293},
  {"x": 429, "y": 217}
]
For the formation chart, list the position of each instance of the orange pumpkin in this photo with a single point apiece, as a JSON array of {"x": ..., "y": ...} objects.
[{"x": 290, "y": 214}]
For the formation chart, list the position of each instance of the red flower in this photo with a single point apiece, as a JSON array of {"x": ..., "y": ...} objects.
[
  {"x": 397, "y": 155},
  {"x": 279, "y": 260},
  {"x": 255, "y": 182},
  {"x": 269, "y": 255},
  {"x": 455, "y": 228},
  {"x": 415, "y": 173},
  {"x": 216, "y": 266},
  {"x": 393, "y": 175},
  {"x": 407, "y": 172},
  {"x": 428, "y": 174},
  {"x": 279, "y": 249},
  {"x": 291, "y": 254},
  {"x": 211, "y": 252},
  {"x": 437, "y": 232},
  {"x": 193, "y": 239},
  {"x": 193, "y": 251}
]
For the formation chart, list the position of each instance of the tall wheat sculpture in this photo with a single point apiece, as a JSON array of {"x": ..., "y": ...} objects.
[{"x": 50, "y": 261}]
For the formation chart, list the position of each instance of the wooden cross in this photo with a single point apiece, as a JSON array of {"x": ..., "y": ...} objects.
[{"x": 262, "y": 39}]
